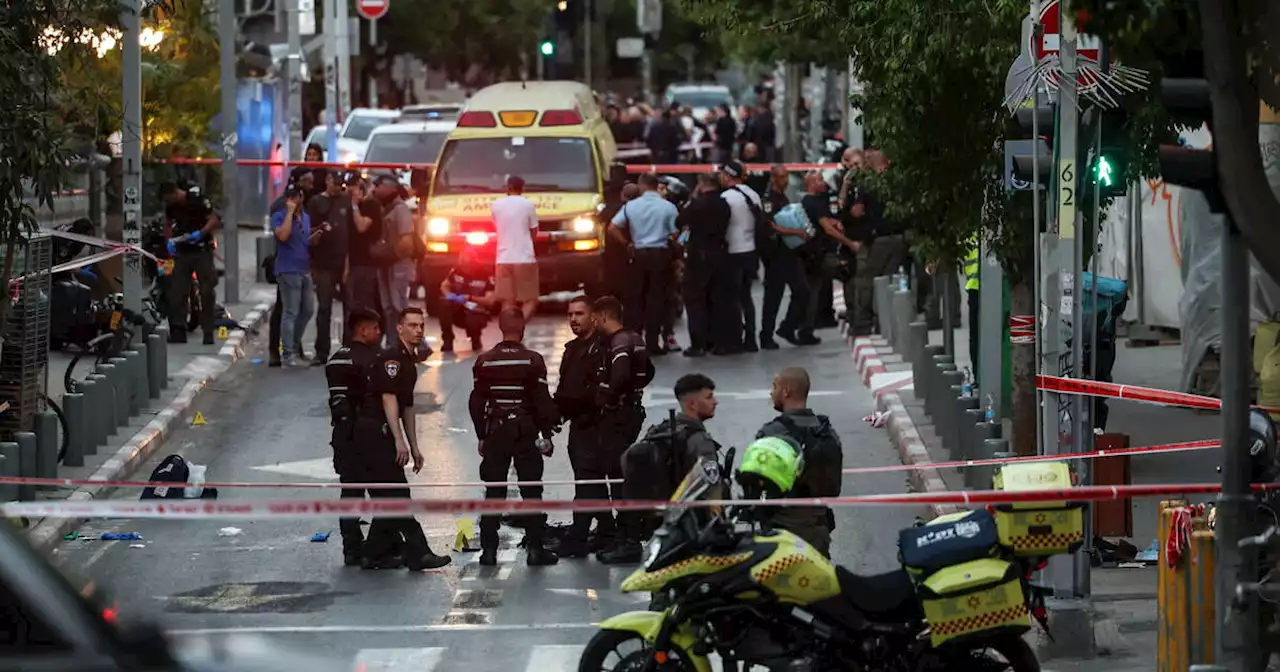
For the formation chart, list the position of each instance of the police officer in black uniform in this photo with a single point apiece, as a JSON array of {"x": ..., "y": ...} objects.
[
  {"x": 625, "y": 369},
  {"x": 191, "y": 245},
  {"x": 467, "y": 296},
  {"x": 347, "y": 374},
  {"x": 514, "y": 418},
  {"x": 386, "y": 432},
  {"x": 576, "y": 401}
]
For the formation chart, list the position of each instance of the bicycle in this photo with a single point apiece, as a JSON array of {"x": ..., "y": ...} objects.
[{"x": 116, "y": 339}]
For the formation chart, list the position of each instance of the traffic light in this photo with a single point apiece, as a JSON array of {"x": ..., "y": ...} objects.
[
  {"x": 1019, "y": 161},
  {"x": 1192, "y": 168},
  {"x": 1110, "y": 163},
  {"x": 547, "y": 48}
]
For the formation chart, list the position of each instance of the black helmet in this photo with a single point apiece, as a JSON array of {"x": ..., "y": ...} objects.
[{"x": 1264, "y": 462}]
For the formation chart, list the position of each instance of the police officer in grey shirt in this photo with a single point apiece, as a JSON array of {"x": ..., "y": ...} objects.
[{"x": 650, "y": 220}]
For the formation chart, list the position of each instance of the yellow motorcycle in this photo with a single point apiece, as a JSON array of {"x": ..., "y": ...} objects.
[{"x": 766, "y": 598}]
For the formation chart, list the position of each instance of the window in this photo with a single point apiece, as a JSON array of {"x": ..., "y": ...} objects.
[
  {"x": 360, "y": 126},
  {"x": 405, "y": 147},
  {"x": 481, "y": 165}
]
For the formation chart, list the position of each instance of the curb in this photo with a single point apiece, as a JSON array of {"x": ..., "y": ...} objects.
[
  {"x": 142, "y": 445},
  {"x": 871, "y": 357}
]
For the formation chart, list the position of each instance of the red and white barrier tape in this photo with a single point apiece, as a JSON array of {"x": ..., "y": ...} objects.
[
  {"x": 71, "y": 482},
  {"x": 1150, "y": 395},
  {"x": 114, "y": 248},
  {"x": 1022, "y": 329},
  {"x": 331, "y": 508},
  {"x": 672, "y": 168}
]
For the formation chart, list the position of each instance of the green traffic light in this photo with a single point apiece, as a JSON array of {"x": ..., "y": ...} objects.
[
  {"x": 547, "y": 48},
  {"x": 1102, "y": 171}
]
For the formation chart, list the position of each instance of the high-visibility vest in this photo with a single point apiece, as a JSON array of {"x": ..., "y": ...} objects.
[{"x": 972, "y": 266}]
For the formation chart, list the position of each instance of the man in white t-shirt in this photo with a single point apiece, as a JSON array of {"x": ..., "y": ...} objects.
[
  {"x": 738, "y": 316},
  {"x": 515, "y": 220}
]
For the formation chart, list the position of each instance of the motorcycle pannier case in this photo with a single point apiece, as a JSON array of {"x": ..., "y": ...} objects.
[
  {"x": 946, "y": 541},
  {"x": 1038, "y": 528},
  {"x": 975, "y": 598}
]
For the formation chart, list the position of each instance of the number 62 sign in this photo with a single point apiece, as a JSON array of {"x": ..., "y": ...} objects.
[{"x": 1067, "y": 198}]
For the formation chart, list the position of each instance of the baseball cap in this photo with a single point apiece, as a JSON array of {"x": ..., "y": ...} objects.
[
  {"x": 385, "y": 178},
  {"x": 733, "y": 168}
]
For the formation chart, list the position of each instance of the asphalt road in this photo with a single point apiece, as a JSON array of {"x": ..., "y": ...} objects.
[{"x": 207, "y": 584}]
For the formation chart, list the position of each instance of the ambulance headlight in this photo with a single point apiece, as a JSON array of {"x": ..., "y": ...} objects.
[
  {"x": 438, "y": 226},
  {"x": 584, "y": 225}
]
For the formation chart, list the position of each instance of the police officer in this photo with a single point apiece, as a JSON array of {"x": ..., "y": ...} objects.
[
  {"x": 388, "y": 437},
  {"x": 191, "y": 246},
  {"x": 624, "y": 371},
  {"x": 510, "y": 407},
  {"x": 347, "y": 374},
  {"x": 575, "y": 400}
]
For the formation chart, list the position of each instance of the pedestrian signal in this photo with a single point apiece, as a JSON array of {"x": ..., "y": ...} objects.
[{"x": 547, "y": 48}]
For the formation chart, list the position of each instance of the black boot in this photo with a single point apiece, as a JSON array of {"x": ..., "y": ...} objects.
[
  {"x": 427, "y": 560},
  {"x": 569, "y": 547},
  {"x": 541, "y": 557},
  {"x": 621, "y": 553},
  {"x": 177, "y": 335},
  {"x": 488, "y": 557}
]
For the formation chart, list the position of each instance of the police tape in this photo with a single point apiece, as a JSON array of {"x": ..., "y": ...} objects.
[
  {"x": 336, "y": 508},
  {"x": 1150, "y": 395},
  {"x": 251, "y": 485},
  {"x": 666, "y": 168}
]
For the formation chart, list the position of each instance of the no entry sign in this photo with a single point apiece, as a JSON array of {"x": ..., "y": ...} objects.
[
  {"x": 1087, "y": 46},
  {"x": 375, "y": 9}
]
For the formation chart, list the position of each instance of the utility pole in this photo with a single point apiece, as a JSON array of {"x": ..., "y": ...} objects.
[
  {"x": 586, "y": 42},
  {"x": 343, "y": 54},
  {"x": 1062, "y": 273},
  {"x": 331, "y": 75},
  {"x": 373, "y": 55},
  {"x": 227, "y": 29},
  {"x": 131, "y": 151},
  {"x": 294, "y": 74}
]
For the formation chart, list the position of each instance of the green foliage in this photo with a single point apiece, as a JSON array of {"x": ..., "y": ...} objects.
[
  {"x": 461, "y": 35},
  {"x": 37, "y": 141},
  {"x": 762, "y": 30}
]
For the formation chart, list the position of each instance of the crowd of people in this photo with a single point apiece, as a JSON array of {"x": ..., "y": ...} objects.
[
  {"x": 704, "y": 250},
  {"x": 674, "y": 132}
]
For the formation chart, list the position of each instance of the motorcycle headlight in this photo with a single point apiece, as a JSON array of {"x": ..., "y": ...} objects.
[
  {"x": 651, "y": 551},
  {"x": 583, "y": 225},
  {"x": 438, "y": 226}
]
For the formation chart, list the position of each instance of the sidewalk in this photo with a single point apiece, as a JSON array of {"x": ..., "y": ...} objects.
[
  {"x": 191, "y": 367},
  {"x": 1125, "y": 609}
]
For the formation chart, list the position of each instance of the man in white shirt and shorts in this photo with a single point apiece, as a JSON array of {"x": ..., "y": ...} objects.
[{"x": 515, "y": 221}]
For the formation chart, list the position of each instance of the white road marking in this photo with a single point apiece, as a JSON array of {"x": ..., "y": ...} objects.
[
  {"x": 319, "y": 469},
  {"x": 553, "y": 658},
  {"x": 399, "y": 660}
]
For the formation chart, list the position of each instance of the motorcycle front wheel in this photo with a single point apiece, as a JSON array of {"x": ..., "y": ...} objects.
[
  {"x": 627, "y": 651},
  {"x": 1015, "y": 653}
]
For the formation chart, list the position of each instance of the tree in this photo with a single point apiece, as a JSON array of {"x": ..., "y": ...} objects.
[
  {"x": 496, "y": 37},
  {"x": 42, "y": 40}
]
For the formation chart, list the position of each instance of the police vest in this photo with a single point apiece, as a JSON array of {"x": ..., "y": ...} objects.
[{"x": 972, "y": 269}]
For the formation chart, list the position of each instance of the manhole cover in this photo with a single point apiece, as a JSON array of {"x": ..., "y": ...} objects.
[{"x": 270, "y": 597}]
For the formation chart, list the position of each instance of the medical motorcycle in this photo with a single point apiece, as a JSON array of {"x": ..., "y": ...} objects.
[{"x": 766, "y": 598}]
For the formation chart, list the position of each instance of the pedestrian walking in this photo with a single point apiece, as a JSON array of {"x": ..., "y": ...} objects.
[
  {"x": 650, "y": 221},
  {"x": 575, "y": 399},
  {"x": 331, "y": 216},
  {"x": 292, "y": 229},
  {"x": 193, "y": 223},
  {"x": 703, "y": 225},
  {"x": 625, "y": 370},
  {"x": 347, "y": 374},
  {"x": 744, "y": 262},
  {"x": 514, "y": 419},
  {"x": 823, "y": 458},
  {"x": 515, "y": 221},
  {"x": 387, "y": 431}
]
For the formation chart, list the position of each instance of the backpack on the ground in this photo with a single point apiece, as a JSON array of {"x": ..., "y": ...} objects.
[
  {"x": 175, "y": 469},
  {"x": 649, "y": 466},
  {"x": 764, "y": 233}
]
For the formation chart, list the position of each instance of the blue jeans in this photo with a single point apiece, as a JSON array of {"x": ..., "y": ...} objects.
[
  {"x": 298, "y": 304},
  {"x": 393, "y": 293}
]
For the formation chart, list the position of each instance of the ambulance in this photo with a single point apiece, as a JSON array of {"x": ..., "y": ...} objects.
[{"x": 552, "y": 134}]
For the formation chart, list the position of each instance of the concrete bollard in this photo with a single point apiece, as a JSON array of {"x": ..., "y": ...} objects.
[
  {"x": 937, "y": 388},
  {"x": 954, "y": 418},
  {"x": 110, "y": 371},
  {"x": 155, "y": 365},
  {"x": 163, "y": 358},
  {"x": 917, "y": 339},
  {"x": 950, "y": 387},
  {"x": 971, "y": 417},
  {"x": 9, "y": 467},
  {"x": 996, "y": 449},
  {"x": 90, "y": 391},
  {"x": 77, "y": 429},
  {"x": 923, "y": 370},
  {"x": 135, "y": 368},
  {"x": 103, "y": 411},
  {"x": 881, "y": 295},
  {"x": 141, "y": 375},
  {"x": 983, "y": 449},
  {"x": 28, "y": 459},
  {"x": 936, "y": 365},
  {"x": 48, "y": 442},
  {"x": 902, "y": 316},
  {"x": 124, "y": 390}
]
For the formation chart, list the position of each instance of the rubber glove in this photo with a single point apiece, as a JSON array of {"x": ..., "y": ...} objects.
[
  {"x": 455, "y": 298},
  {"x": 172, "y": 245},
  {"x": 195, "y": 236},
  {"x": 87, "y": 274}
]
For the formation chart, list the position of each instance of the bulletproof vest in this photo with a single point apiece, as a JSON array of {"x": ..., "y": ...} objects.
[
  {"x": 625, "y": 385},
  {"x": 506, "y": 370}
]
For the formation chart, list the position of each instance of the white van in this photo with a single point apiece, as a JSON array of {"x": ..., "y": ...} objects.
[{"x": 404, "y": 143}]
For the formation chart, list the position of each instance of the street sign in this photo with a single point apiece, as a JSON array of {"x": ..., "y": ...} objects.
[
  {"x": 649, "y": 16},
  {"x": 630, "y": 47},
  {"x": 373, "y": 9},
  {"x": 1050, "y": 40}
]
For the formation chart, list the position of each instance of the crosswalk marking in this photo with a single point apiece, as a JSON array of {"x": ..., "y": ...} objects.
[
  {"x": 549, "y": 657},
  {"x": 399, "y": 660}
]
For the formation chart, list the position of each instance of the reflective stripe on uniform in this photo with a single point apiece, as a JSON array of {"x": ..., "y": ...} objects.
[
  {"x": 507, "y": 362},
  {"x": 508, "y": 401},
  {"x": 506, "y": 387},
  {"x": 971, "y": 270},
  {"x": 346, "y": 362}
]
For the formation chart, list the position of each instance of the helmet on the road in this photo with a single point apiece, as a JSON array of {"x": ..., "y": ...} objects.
[
  {"x": 771, "y": 461},
  {"x": 1264, "y": 462}
]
